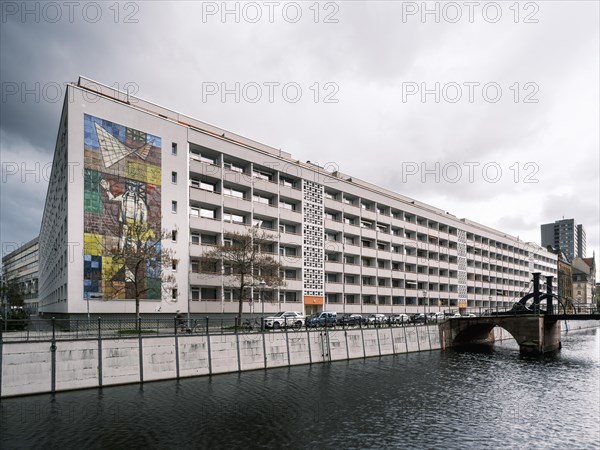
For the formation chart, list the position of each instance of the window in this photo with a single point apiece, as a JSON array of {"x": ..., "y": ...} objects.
[
  {"x": 195, "y": 238},
  {"x": 290, "y": 274},
  {"x": 174, "y": 265},
  {"x": 208, "y": 239},
  {"x": 262, "y": 175},
  {"x": 202, "y": 185},
  {"x": 174, "y": 235},
  {"x": 195, "y": 294},
  {"x": 286, "y": 182},
  {"x": 174, "y": 177},
  {"x": 233, "y": 167},
  {"x": 173, "y": 206},
  {"x": 195, "y": 266},
  {"x": 174, "y": 293},
  {"x": 366, "y": 224},
  {"x": 331, "y": 236},
  {"x": 330, "y": 215},
  {"x": 333, "y": 257},
  {"x": 174, "y": 148},
  {"x": 233, "y": 192},
  {"x": 208, "y": 213},
  {"x": 231, "y": 217},
  {"x": 349, "y": 220},
  {"x": 287, "y": 205},
  {"x": 261, "y": 199}
]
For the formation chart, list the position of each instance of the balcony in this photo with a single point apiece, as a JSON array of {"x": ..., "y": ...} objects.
[
  {"x": 265, "y": 185},
  {"x": 352, "y": 269},
  {"x": 291, "y": 216},
  {"x": 290, "y": 192},
  {"x": 368, "y": 271},
  {"x": 203, "y": 196},
  {"x": 262, "y": 209},
  {"x": 201, "y": 223},
  {"x": 352, "y": 288},
  {"x": 368, "y": 233},
  {"x": 332, "y": 204},
  {"x": 237, "y": 204},
  {"x": 292, "y": 285},
  {"x": 369, "y": 252},
  {"x": 334, "y": 267},
  {"x": 334, "y": 225},
  {"x": 207, "y": 169},
  {"x": 368, "y": 214},
  {"x": 201, "y": 279}
]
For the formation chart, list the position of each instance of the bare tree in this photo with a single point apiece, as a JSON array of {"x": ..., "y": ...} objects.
[
  {"x": 243, "y": 258},
  {"x": 11, "y": 291},
  {"x": 137, "y": 254}
]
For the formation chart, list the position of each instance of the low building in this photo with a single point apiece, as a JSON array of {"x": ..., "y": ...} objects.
[
  {"x": 584, "y": 281},
  {"x": 20, "y": 267}
]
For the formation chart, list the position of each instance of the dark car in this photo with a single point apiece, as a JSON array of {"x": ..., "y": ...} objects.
[
  {"x": 418, "y": 318},
  {"x": 323, "y": 319},
  {"x": 350, "y": 320}
]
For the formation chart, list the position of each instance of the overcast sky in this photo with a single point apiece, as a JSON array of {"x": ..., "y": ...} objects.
[{"x": 500, "y": 104}]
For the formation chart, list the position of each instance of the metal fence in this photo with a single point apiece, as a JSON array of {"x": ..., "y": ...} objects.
[{"x": 101, "y": 328}]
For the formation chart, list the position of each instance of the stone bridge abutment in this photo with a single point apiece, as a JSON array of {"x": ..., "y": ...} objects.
[{"x": 533, "y": 333}]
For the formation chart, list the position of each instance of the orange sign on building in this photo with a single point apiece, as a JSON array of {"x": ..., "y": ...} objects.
[{"x": 313, "y": 300}]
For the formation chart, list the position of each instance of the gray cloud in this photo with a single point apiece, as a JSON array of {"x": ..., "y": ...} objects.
[{"x": 171, "y": 53}]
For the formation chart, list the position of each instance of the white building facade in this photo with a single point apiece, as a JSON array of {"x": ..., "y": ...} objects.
[{"x": 344, "y": 244}]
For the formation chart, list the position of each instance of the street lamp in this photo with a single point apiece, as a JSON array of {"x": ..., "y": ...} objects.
[{"x": 424, "y": 302}]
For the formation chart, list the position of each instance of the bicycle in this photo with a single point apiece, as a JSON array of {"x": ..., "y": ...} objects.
[
  {"x": 195, "y": 326},
  {"x": 249, "y": 325}
]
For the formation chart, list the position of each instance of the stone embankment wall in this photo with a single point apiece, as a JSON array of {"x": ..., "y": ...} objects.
[{"x": 37, "y": 367}]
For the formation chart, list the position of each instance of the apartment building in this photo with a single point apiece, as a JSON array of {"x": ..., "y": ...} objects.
[
  {"x": 565, "y": 235},
  {"x": 344, "y": 244},
  {"x": 20, "y": 266}
]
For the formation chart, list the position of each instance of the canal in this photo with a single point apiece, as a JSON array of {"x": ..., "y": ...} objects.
[{"x": 481, "y": 397}]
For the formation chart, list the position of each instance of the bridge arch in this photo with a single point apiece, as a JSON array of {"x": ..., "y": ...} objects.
[{"x": 530, "y": 331}]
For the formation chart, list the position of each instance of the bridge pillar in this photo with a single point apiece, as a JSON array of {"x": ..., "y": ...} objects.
[{"x": 533, "y": 333}]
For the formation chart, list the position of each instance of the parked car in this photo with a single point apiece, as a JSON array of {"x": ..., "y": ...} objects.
[
  {"x": 376, "y": 319},
  {"x": 439, "y": 316},
  {"x": 399, "y": 318},
  {"x": 284, "y": 319},
  {"x": 322, "y": 319},
  {"x": 350, "y": 320},
  {"x": 455, "y": 315},
  {"x": 418, "y": 318}
]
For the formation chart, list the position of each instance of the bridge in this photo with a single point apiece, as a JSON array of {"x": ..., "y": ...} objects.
[{"x": 532, "y": 322}]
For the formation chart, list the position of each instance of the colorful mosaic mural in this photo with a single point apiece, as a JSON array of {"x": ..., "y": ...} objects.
[{"x": 122, "y": 183}]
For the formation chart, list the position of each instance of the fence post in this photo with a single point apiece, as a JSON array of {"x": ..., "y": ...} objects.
[
  {"x": 207, "y": 325},
  {"x": 53, "y": 356},
  {"x": 99, "y": 352}
]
